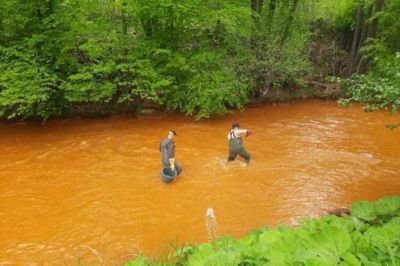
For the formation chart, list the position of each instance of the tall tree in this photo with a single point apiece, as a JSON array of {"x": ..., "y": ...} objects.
[
  {"x": 379, "y": 4},
  {"x": 270, "y": 16},
  {"x": 272, "y": 7},
  {"x": 124, "y": 17},
  {"x": 257, "y": 6},
  {"x": 364, "y": 33},
  {"x": 356, "y": 35},
  {"x": 371, "y": 33},
  {"x": 289, "y": 21},
  {"x": 256, "y": 10}
]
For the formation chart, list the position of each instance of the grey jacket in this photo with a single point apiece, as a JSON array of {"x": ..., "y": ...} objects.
[{"x": 167, "y": 149}]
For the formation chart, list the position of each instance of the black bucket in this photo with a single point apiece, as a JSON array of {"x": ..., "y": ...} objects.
[{"x": 167, "y": 175}]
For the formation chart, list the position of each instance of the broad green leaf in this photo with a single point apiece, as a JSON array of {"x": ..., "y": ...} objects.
[
  {"x": 388, "y": 206},
  {"x": 363, "y": 210}
]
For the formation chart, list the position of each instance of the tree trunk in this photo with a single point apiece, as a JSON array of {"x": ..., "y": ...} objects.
[
  {"x": 356, "y": 36},
  {"x": 113, "y": 12},
  {"x": 289, "y": 22},
  {"x": 271, "y": 13},
  {"x": 374, "y": 25},
  {"x": 50, "y": 6},
  {"x": 124, "y": 18},
  {"x": 365, "y": 28},
  {"x": 371, "y": 33},
  {"x": 257, "y": 6},
  {"x": 256, "y": 9},
  {"x": 272, "y": 7}
]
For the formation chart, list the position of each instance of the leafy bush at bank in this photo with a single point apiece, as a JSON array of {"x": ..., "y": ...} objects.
[
  {"x": 379, "y": 88},
  {"x": 370, "y": 235},
  {"x": 376, "y": 62}
]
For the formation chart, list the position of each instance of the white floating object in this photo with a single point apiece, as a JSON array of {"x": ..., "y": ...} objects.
[{"x": 210, "y": 213}]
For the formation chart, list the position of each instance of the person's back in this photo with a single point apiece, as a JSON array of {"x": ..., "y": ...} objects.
[{"x": 167, "y": 149}]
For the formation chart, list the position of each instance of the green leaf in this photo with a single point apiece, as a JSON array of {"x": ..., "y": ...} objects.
[
  {"x": 388, "y": 206},
  {"x": 363, "y": 210}
]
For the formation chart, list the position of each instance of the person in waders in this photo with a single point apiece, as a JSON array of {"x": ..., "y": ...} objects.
[
  {"x": 167, "y": 149},
  {"x": 236, "y": 143}
]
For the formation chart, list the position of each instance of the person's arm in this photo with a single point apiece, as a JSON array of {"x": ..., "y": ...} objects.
[
  {"x": 239, "y": 132},
  {"x": 172, "y": 163},
  {"x": 171, "y": 155},
  {"x": 242, "y": 132}
]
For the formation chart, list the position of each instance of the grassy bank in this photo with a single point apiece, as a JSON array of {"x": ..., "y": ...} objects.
[{"x": 369, "y": 235}]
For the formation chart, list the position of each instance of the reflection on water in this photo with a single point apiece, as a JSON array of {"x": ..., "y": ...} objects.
[{"x": 91, "y": 189}]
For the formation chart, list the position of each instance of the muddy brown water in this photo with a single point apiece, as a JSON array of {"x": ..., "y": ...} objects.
[{"x": 90, "y": 188}]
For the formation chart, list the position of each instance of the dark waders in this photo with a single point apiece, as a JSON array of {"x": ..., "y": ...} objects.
[
  {"x": 167, "y": 148},
  {"x": 235, "y": 148}
]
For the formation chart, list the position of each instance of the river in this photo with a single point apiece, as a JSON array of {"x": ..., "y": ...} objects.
[{"x": 89, "y": 189}]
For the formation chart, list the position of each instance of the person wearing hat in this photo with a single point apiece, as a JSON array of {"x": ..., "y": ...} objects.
[
  {"x": 167, "y": 149},
  {"x": 236, "y": 143}
]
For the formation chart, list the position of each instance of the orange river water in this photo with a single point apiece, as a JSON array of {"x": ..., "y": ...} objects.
[{"x": 89, "y": 189}]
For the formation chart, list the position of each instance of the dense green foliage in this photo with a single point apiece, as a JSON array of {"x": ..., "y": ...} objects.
[
  {"x": 380, "y": 52},
  {"x": 201, "y": 57},
  {"x": 380, "y": 88},
  {"x": 369, "y": 236}
]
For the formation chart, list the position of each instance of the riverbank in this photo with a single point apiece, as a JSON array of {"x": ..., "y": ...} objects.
[
  {"x": 369, "y": 235},
  {"x": 313, "y": 90}
]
